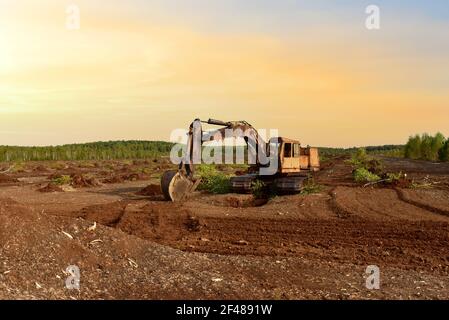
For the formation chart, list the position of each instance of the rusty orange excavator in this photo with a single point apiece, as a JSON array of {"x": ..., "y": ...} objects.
[{"x": 292, "y": 161}]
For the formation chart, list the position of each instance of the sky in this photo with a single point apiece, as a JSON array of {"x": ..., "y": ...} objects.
[{"x": 138, "y": 69}]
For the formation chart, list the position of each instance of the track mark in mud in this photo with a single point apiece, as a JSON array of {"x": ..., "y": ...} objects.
[
  {"x": 380, "y": 204},
  {"x": 335, "y": 207},
  {"x": 421, "y": 205},
  {"x": 358, "y": 241},
  {"x": 409, "y": 244}
]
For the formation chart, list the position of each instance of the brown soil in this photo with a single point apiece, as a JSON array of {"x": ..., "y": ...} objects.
[
  {"x": 40, "y": 169},
  {"x": 150, "y": 190},
  {"x": 236, "y": 201},
  {"x": 163, "y": 222},
  {"x": 313, "y": 246},
  {"x": 51, "y": 187},
  {"x": 108, "y": 214},
  {"x": 379, "y": 204},
  {"x": 134, "y": 177},
  {"x": 4, "y": 178},
  {"x": 129, "y": 176},
  {"x": 113, "y": 179},
  {"x": 79, "y": 181},
  {"x": 433, "y": 200}
]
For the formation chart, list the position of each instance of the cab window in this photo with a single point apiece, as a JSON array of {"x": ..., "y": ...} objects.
[
  {"x": 288, "y": 150},
  {"x": 296, "y": 150}
]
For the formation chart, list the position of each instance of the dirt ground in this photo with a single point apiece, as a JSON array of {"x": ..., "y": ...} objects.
[{"x": 112, "y": 222}]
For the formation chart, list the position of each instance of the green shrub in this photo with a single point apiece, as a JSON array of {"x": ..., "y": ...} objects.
[
  {"x": 363, "y": 175},
  {"x": 212, "y": 180},
  {"x": 311, "y": 187},
  {"x": 443, "y": 153},
  {"x": 412, "y": 149},
  {"x": 393, "y": 177},
  {"x": 61, "y": 180},
  {"x": 56, "y": 165},
  {"x": 86, "y": 164},
  {"x": 425, "y": 147},
  {"x": 144, "y": 170},
  {"x": 359, "y": 158},
  {"x": 374, "y": 166},
  {"x": 18, "y": 167},
  {"x": 437, "y": 144},
  {"x": 258, "y": 189}
]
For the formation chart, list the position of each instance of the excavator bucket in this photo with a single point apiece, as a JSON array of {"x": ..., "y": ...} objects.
[{"x": 176, "y": 186}]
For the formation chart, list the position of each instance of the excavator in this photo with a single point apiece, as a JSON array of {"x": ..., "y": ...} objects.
[{"x": 293, "y": 163}]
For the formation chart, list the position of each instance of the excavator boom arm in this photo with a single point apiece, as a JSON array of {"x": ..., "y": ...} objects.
[{"x": 176, "y": 185}]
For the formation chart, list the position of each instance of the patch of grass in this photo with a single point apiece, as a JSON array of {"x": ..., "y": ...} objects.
[
  {"x": 212, "y": 180},
  {"x": 310, "y": 187},
  {"x": 258, "y": 189},
  {"x": 363, "y": 175},
  {"x": 156, "y": 175},
  {"x": 62, "y": 180},
  {"x": 127, "y": 162},
  {"x": 18, "y": 167},
  {"x": 56, "y": 165},
  {"x": 143, "y": 170},
  {"x": 359, "y": 158},
  {"x": 236, "y": 166},
  {"x": 86, "y": 164},
  {"x": 426, "y": 183},
  {"x": 109, "y": 166},
  {"x": 394, "y": 177},
  {"x": 417, "y": 185}
]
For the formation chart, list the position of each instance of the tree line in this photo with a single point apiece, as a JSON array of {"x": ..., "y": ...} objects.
[
  {"x": 427, "y": 147},
  {"x": 388, "y": 149},
  {"x": 108, "y": 150},
  {"x": 418, "y": 147}
]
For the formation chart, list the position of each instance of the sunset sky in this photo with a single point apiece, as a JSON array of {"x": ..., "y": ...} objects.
[{"x": 138, "y": 69}]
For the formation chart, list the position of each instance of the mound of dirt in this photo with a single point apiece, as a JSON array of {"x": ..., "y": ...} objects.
[
  {"x": 120, "y": 178},
  {"x": 107, "y": 214},
  {"x": 4, "y": 178},
  {"x": 80, "y": 181},
  {"x": 59, "y": 174},
  {"x": 37, "y": 249},
  {"x": 235, "y": 200},
  {"x": 40, "y": 168},
  {"x": 239, "y": 202},
  {"x": 51, "y": 187},
  {"x": 113, "y": 179},
  {"x": 159, "y": 222},
  {"x": 135, "y": 176},
  {"x": 401, "y": 183},
  {"x": 150, "y": 190}
]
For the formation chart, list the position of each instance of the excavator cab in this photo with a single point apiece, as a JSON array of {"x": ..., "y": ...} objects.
[
  {"x": 296, "y": 158},
  {"x": 293, "y": 158}
]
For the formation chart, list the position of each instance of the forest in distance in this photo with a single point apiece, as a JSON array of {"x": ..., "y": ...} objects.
[{"x": 136, "y": 149}]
